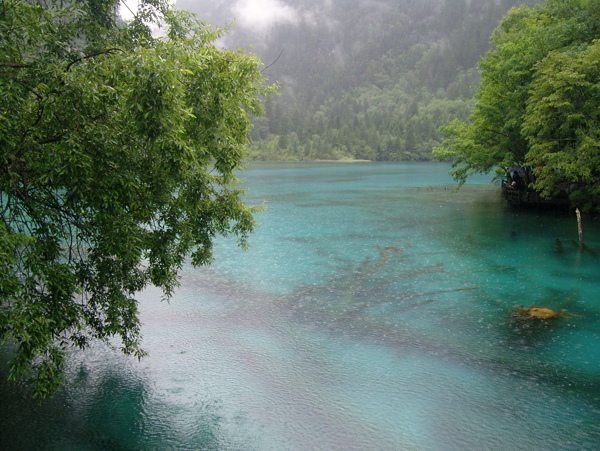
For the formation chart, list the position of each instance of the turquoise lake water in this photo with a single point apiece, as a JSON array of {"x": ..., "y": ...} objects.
[{"x": 372, "y": 312}]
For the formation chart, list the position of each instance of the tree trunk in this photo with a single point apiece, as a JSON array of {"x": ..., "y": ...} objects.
[{"x": 579, "y": 228}]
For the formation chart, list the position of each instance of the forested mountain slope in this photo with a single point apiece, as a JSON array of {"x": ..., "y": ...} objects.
[{"x": 360, "y": 79}]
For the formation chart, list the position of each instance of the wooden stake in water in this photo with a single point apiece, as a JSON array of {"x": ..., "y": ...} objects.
[{"x": 579, "y": 228}]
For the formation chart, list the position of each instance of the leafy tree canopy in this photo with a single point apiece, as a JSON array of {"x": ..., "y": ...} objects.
[
  {"x": 118, "y": 155},
  {"x": 538, "y": 101}
]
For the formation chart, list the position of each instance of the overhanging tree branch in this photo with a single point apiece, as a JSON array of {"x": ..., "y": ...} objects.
[
  {"x": 278, "y": 56},
  {"x": 93, "y": 55}
]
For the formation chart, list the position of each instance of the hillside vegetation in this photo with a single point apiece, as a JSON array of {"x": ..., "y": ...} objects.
[{"x": 362, "y": 79}]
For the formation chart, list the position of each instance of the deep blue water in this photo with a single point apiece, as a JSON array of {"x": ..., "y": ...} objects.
[{"x": 372, "y": 312}]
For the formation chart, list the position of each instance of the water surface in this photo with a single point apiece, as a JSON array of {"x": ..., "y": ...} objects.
[{"x": 372, "y": 312}]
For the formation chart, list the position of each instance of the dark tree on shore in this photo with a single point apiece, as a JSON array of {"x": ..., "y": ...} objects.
[{"x": 538, "y": 104}]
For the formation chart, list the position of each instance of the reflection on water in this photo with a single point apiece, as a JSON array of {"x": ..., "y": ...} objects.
[{"x": 373, "y": 312}]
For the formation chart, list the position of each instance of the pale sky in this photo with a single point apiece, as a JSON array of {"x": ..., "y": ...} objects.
[
  {"x": 257, "y": 15},
  {"x": 124, "y": 12},
  {"x": 262, "y": 13}
]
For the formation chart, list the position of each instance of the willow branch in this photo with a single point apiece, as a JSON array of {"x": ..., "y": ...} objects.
[
  {"x": 278, "y": 56},
  {"x": 93, "y": 55}
]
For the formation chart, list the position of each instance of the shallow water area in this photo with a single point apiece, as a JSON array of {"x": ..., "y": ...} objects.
[{"x": 372, "y": 312}]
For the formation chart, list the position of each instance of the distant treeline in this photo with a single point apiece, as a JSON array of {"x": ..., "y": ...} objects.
[{"x": 372, "y": 80}]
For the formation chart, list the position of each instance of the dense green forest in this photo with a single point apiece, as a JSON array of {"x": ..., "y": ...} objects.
[
  {"x": 538, "y": 105},
  {"x": 365, "y": 80}
]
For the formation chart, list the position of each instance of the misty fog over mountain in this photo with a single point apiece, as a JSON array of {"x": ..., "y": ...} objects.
[{"x": 359, "y": 79}]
